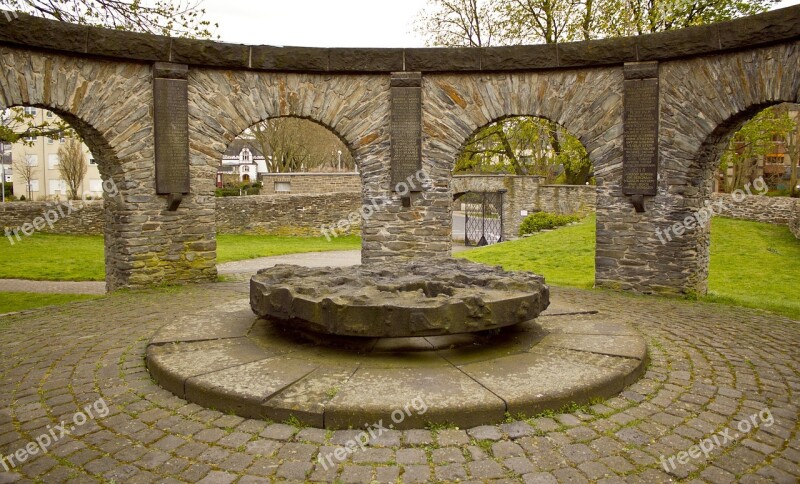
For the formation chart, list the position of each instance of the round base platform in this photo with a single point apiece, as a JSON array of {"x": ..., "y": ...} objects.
[{"x": 229, "y": 360}]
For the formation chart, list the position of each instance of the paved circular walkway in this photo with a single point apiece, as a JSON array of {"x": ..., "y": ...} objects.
[{"x": 717, "y": 404}]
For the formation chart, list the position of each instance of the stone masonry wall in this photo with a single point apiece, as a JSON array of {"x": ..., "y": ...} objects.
[
  {"x": 87, "y": 219},
  {"x": 771, "y": 210},
  {"x": 794, "y": 223},
  {"x": 312, "y": 182},
  {"x": 567, "y": 199},
  {"x": 284, "y": 214},
  {"x": 259, "y": 214}
]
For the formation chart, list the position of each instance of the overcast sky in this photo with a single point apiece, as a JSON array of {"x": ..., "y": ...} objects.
[{"x": 321, "y": 23}]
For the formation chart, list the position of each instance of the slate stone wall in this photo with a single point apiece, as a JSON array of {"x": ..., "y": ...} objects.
[
  {"x": 794, "y": 223},
  {"x": 85, "y": 218},
  {"x": 307, "y": 183},
  {"x": 285, "y": 214},
  {"x": 771, "y": 210},
  {"x": 567, "y": 199}
]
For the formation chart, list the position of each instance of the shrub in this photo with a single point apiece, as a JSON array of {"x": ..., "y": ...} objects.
[{"x": 538, "y": 221}]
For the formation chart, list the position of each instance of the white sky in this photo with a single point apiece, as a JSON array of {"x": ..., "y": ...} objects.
[
  {"x": 322, "y": 23},
  {"x": 316, "y": 23}
]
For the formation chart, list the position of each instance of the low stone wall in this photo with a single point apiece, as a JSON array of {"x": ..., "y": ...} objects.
[
  {"x": 261, "y": 214},
  {"x": 567, "y": 199},
  {"x": 794, "y": 224},
  {"x": 773, "y": 210},
  {"x": 284, "y": 214},
  {"x": 85, "y": 218},
  {"x": 309, "y": 183}
]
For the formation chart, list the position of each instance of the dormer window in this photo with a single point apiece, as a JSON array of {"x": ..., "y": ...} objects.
[{"x": 246, "y": 157}]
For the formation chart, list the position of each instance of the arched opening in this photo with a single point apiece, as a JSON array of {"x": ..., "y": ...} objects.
[
  {"x": 517, "y": 179},
  {"x": 58, "y": 198},
  {"x": 750, "y": 168},
  {"x": 285, "y": 185}
]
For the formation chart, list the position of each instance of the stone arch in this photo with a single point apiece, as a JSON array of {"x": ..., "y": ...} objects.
[
  {"x": 108, "y": 104},
  {"x": 588, "y": 103},
  {"x": 704, "y": 100},
  {"x": 355, "y": 108}
]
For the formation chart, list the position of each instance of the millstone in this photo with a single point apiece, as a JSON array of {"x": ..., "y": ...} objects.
[{"x": 396, "y": 299}]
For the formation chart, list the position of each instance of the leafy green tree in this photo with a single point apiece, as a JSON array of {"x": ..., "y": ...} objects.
[{"x": 753, "y": 141}]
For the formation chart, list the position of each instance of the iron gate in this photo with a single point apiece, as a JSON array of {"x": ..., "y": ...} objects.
[{"x": 483, "y": 218}]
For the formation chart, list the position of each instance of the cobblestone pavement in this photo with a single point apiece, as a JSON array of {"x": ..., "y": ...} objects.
[{"x": 713, "y": 368}]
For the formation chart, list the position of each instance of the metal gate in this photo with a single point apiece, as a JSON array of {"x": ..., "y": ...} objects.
[{"x": 483, "y": 218}]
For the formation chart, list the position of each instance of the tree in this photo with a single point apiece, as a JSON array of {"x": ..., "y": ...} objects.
[
  {"x": 72, "y": 166},
  {"x": 297, "y": 145},
  {"x": 25, "y": 169},
  {"x": 171, "y": 18},
  {"x": 754, "y": 140}
]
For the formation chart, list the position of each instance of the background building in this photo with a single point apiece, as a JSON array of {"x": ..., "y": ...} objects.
[{"x": 42, "y": 157}]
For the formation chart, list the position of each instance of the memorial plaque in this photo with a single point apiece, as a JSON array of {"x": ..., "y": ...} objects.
[
  {"x": 641, "y": 112},
  {"x": 406, "y": 130},
  {"x": 171, "y": 120}
]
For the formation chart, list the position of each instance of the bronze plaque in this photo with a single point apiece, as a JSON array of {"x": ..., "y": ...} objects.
[
  {"x": 406, "y": 130},
  {"x": 171, "y": 120},
  {"x": 640, "y": 162}
]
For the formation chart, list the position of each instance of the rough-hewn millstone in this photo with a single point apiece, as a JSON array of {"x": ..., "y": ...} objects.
[{"x": 447, "y": 296}]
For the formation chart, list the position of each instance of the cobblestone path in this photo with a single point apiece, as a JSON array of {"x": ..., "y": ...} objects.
[{"x": 720, "y": 373}]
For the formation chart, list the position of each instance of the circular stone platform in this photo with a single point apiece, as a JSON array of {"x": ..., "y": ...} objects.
[{"x": 229, "y": 360}]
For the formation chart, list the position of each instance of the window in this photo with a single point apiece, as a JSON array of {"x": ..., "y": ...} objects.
[
  {"x": 92, "y": 161},
  {"x": 32, "y": 160},
  {"x": 246, "y": 156},
  {"x": 52, "y": 161},
  {"x": 30, "y": 139},
  {"x": 63, "y": 140},
  {"x": 96, "y": 186},
  {"x": 283, "y": 187},
  {"x": 58, "y": 187},
  {"x": 49, "y": 114},
  {"x": 29, "y": 110},
  {"x": 34, "y": 185},
  {"x": 49, "y": 141}
]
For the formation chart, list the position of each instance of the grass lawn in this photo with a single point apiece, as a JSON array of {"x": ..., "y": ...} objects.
[
  {"x": 19, "y": 301},
  {"x": 52, "y": 257},
  {"x": 231, "y": 247},
  {"x": 565, "y": 257},
  {"x": 755, "y": 265},
  {"x": 752, "y": 264}
]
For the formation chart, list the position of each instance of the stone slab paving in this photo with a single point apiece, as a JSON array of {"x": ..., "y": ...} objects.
[{"x": 74, "y": 377}]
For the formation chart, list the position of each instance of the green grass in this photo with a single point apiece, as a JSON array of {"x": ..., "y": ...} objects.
[
  {"x": 565, "y": 257},
  {"x": 52, "y": 257},
  {"x": 753, "y": 264},
  {"x": 20, "y": 301},
  {"x": 756, "y": 265},
  {"x": 232, "y": 247}
]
